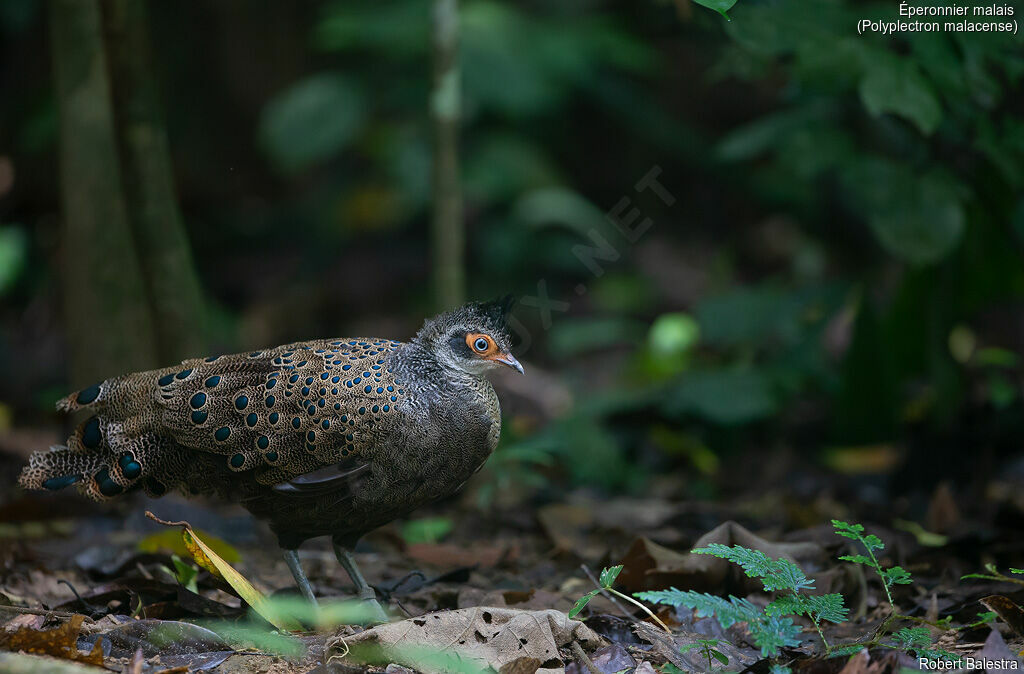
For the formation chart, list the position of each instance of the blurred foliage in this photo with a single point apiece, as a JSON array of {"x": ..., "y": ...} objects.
[{"x": 841, "y": 266}]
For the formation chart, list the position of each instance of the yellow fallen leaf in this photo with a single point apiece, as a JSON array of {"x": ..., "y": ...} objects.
[
  {"x": 170, "y": 541},
  {"x": 212, "y": 562}
]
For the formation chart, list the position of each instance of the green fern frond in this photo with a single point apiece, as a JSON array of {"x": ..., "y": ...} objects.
[
  {"x": 912, "y": 638},
  {"x": 728, "y": 612},
  {"x": 775, "y": 574}
]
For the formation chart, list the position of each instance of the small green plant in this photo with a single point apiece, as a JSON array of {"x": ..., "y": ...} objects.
[
  {"x": 606, "y": 580},
  {"x": 894, "y": 575},
  {"x": 185, "y": 573},
  {"x": 709, "y": 649},
  {"x": 996, "y": 575},
  {"x": 770, "y": 628}
]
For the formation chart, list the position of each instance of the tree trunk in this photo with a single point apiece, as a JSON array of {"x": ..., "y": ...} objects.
[
  {"x": 168, "y": 270},
  {"x": 109, "y": 328},
  {"x": 448, "y": 235}
]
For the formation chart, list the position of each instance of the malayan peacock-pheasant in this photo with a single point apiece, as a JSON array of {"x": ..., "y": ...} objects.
[{"x": 327, "y": 437}]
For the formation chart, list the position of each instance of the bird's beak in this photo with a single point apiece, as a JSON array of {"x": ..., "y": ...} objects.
[{"x": 510, "y": 360}]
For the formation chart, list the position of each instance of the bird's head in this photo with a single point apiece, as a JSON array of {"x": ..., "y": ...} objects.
[{"x": 473, "y": 338}]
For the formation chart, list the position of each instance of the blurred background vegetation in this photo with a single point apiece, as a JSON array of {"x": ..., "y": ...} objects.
[{"x": 838, "y": 283}]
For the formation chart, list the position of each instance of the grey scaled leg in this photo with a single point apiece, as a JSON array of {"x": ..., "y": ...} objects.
[
  {"x": 291, "y": 557},
  {"x": 363, "y": 588}
]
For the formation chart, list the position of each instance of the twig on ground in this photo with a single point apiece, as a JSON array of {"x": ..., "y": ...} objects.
[
  {"x": 583, "y": 659},
  {"x": 43, "y": 612}
]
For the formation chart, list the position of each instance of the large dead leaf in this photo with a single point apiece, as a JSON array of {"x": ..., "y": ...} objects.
[
  {"x": 468, "y": 640},
  {"x": 60, "y": 642},
  {"x": 649, "y": 566},
  {"x": 1007, "y": 610}
]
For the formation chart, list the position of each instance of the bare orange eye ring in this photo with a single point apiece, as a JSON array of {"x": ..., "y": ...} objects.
[{"x": 481, "y": 344}]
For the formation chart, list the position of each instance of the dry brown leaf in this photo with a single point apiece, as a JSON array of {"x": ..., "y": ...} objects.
[
  {"x": 669, "y": 647},
  {"x": 448, "y": 555},
  {"x": 487, "y": 637},
  {"x": 60, "y": 642},
  {"x": 1007, "y": 610},
  {"x": 649, "y": 566},
  {"x": 523, "y": 665},
  {"x": 943, "y": 512},
  {"x": 860, "y": 663}
]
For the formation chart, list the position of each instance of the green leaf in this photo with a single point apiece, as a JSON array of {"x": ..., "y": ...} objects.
[
  {"x": 773, "y": 633},
  {"x": 13, "y": 254},
  {"x": 896, "y": 85},
  {"x": 911, "y": 638},
  {"x": 776, "y": 574},
  {"x": 858, "y": 559},
  {"x": 726, "y": 397},
  {"x": 720, "y": 6},
  {"x": 854, "y": 529},
  {"x": 582, "y": 602},
  {"x": 897, "y": 575},
  {"x": 185, "y": 573},
  {"x": 1018, "y": 571},
  {"x": 918, "y": 217},
  {"x": 426, "y": 529},
  {"x": 609, "y": 575},
  {"x": 312, "y": 120},
  {"x": 719, "y": 656},
  {"x": 673, "y": 334},
  {"x": 826, "y": 607},
  {"x": 872, "y": 542}
]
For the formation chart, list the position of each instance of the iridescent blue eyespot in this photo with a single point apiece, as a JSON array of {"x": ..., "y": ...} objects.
[
  {"x": 91, "y": 433},
  {"x": 198, "y": 400},
  {"x": 222, "y": 433},
  {"x": 87, "y": 395}
]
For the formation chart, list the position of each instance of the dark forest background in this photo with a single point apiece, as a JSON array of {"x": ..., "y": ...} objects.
[{"x": 836, "y": 286}]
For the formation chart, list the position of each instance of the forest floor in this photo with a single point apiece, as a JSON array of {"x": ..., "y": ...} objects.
[{"x": 465, "y": 586}]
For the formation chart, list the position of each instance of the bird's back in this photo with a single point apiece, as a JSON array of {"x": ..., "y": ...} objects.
[{"x": 314, "y": 427}]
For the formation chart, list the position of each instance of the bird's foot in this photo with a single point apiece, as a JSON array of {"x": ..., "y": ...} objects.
[{"x": 376, "y": 615}]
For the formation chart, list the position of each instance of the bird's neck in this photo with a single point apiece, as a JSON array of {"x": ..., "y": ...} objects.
[{"x": 420, "y": 360}]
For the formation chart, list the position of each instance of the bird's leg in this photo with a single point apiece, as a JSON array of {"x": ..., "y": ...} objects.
[
  {"x": 363, "y": 589},
  {"x": 291, "y": 557}
]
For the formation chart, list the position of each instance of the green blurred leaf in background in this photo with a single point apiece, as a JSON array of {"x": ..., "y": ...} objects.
[{"x": 312, "y": 120}]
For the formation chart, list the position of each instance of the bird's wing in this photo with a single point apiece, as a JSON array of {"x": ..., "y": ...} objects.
[{"x": 275, "y": 414}]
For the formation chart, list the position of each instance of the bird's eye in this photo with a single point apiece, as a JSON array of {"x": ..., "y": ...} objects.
[{"x": 480, "y": 344}]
